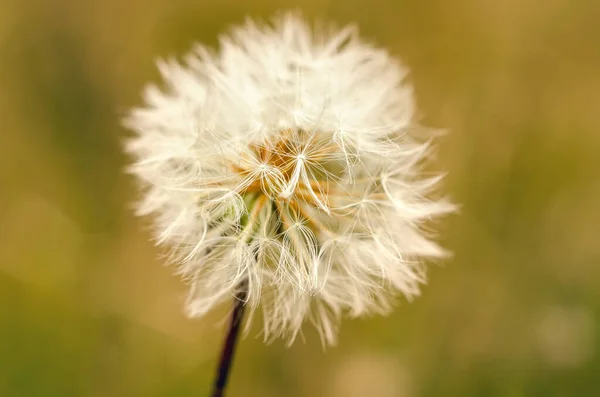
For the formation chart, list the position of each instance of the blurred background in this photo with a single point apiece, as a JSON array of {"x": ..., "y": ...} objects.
[{"x": 88, "y": 309}]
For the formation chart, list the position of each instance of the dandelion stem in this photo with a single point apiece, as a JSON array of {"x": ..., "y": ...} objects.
[{"x": 230, "y": 342}]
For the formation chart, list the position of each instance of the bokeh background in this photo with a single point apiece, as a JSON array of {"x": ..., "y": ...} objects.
[{"x": 87, "y": 308}]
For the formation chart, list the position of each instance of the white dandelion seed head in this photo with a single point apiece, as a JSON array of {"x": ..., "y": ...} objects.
[{"x": 286, "y": 161}]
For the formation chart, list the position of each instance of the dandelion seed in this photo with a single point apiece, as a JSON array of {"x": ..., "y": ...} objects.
[{"x": 284, "y": 162}]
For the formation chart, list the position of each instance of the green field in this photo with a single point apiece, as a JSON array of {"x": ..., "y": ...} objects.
[{"x": 88, "y": 309}]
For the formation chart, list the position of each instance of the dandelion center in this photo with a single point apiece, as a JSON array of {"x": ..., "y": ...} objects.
[{"x": 291, "y": 175}]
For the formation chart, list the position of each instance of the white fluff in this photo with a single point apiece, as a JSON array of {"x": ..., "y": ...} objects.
[{"x": 286, "y": 161}]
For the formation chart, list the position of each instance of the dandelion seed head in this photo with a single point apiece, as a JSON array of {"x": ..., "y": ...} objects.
[{"x": 286, "y": 161}]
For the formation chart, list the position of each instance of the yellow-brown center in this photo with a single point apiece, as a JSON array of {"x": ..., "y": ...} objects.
[{"x": 283, "y": 155}]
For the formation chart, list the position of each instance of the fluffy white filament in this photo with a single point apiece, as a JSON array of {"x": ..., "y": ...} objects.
[{"x": 286, "y": 161}]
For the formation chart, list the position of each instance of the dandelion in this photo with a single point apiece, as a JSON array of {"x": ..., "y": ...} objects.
[{"x": 288, "y": 166}]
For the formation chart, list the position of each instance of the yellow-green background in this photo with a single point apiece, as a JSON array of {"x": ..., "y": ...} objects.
[{"x": 87, "y": 309}]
